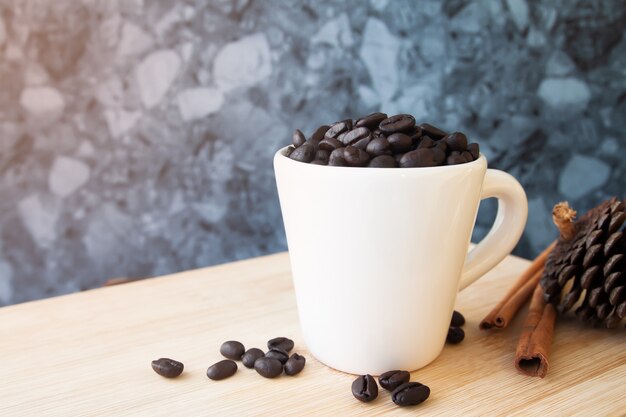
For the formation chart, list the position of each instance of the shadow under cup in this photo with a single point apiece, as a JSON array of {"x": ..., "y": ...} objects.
[{"x": 376, "y": 256}]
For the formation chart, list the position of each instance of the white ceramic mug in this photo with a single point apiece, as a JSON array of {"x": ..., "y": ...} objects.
[{"x": 378, "y": 255}]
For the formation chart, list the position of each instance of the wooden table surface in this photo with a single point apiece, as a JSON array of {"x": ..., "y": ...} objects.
[{"x": 88, "y": 354}]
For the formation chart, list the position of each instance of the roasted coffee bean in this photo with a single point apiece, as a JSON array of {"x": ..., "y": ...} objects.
[
  {"x": 467, "y": 156},
  {"x": 371, "y": 121},
  {"x": 426, "y": 142},
  {"x": 441, "y": 145},
  {"x": 456, "y": 141},
  {"x": 474, "y": 149},
  {"x": 304, "y": 153},
  {"x": 424, "y": 157},
  {"x": 281, "y": 355},
  {"x": 322, "y": 155},
  {"x": 222, "y": 369},
  {"x": 169, "y": 368},
  {"x": 457, "y": 319},
  {"x": 393, "y": 379},
  {"x": 397, "y": 123},
  {"x": 290, "y": 149},
  {"x": 280, "y": 342},
  {"x": 232, "y": 350},
  {"x": 398, "y": 157},
  {"x": 355, "y": 135},
  {"x": 432, "y": 131},
  {"x": 364, "y": 388},
  {"x": 336, "y": 158},
  {"x": 455, "y": 158},
  {"x": 355, "y": 157},
  {"x": 399, "y": 142},
  {"x": 298, "y": 138},
  {"x": 383, "y": 161},
  {"x": 362, "y": 143},
  {"x": 318, "y": 135},
  {"x": 295, "y": 364},
  {"x": 251, "y": 356},
  {"x": 378, "y": 146},
  {"x": 330, "y": 144},
  {"x": 411, "y": 393},
  {"x": 268, "y": 367},
  {"x": 338, "y": 128},
  {"x": 455, "y": 335},
  {"x": 318, "y": 162}
]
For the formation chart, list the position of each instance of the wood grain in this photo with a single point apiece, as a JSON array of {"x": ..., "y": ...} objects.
[{"x": 88, "y": 354}]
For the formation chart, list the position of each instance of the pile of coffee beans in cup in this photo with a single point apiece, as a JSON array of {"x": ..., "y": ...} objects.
[
  {"x": 269, "y": 365},
  {"x": 380, "y": 141}
]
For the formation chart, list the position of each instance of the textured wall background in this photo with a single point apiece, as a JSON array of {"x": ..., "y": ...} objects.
[{"x": 136, "y": 137}]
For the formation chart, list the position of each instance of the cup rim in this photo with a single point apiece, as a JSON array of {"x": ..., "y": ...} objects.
[{"x": 280, "y": 155}]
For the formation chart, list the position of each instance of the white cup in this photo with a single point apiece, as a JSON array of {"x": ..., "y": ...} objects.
[{"x": 378, "y": 255}]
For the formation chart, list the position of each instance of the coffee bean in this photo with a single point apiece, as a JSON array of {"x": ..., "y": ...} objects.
[
  {"x": 280, "y": 342},
  {"x": 279, "y": 354},
  {"x": 298, "y": 138},
  {"x": 393, "y": 379},
  {"x": 364, "y": 388},
  {"x": 424, "y": 157},
  {"x": 268, "y": 367},
  {"x": 338, "y": 128},
  {"x": 322, "y": 155},
  {"x": 232, "y": 350},
  {"x": 304, "y": 153},
  {"x": 362, "y": 143},
  {"x": 222, "y": 369},
  {"x": 355, "y": 135},
  {"x": 397, "y": 123},
  {"x": 456, "y": 141},
  {"x": 411, "y": 393},
  {"x": 426, "y": 142},
  {"x": 455, "y": 335},
  {"x": 432, "y": 131},
  {"x": 251, "y": 356},
  {"x": 169, "y": 368},
  {"x": 467, "y": 156},
  {"x": 371, "y": 121},
  {"x": 398, "y": 157},
  {"x": 378, "y": 146},
  {"x": 441, "y": 145},
  {"x": 330, "y": 144},
  {"x": 399, "y": 142},
  {"x": 474, "y": 149},
  {"x": 383, "y": 161},
  {"x": 457, "y": 319},
  {"x": 290, "y": 149},
  {"x": 336, "y": 158},
  {"x": 455, "y": 158},
  {"x": 295, "y": 364},
  {"x": 318, "y": 135},
  {"x": 355, "y": 157}
]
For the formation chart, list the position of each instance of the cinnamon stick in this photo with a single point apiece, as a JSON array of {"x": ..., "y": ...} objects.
[
  {"x": 533, "y": 348},
  {"x": 500, "y": 316}
]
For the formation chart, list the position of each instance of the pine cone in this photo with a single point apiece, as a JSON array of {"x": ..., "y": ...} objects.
[{"x": 587, "y": 267}]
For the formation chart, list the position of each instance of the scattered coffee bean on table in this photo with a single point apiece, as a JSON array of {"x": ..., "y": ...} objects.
[
  {"x": 457, "y": 319},
  {"x": 381, "y": 141},
  {"x": 250, "y": 356},
  {"x": 411, "y": 393},
  {"x": 393, "y": 379},
  {"x": 232, "y": 350},
  {"x": 169, "y": 368},
  {"x": 281, "y": 355},
  {"x": 455, "y": 335},
  {"x": 295, "y": 364},
  {"x": 268, "y": 367},
  {"x": 364, "y": 388},
  {"x": 281, "y": 342},
  {"x": 221, "y": 370}
]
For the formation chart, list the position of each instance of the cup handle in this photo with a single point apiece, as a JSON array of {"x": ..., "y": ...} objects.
[{"x": 506, "y": 229}]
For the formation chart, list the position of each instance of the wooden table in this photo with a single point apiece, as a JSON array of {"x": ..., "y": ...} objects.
[{"x": 88, "y": 354}]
